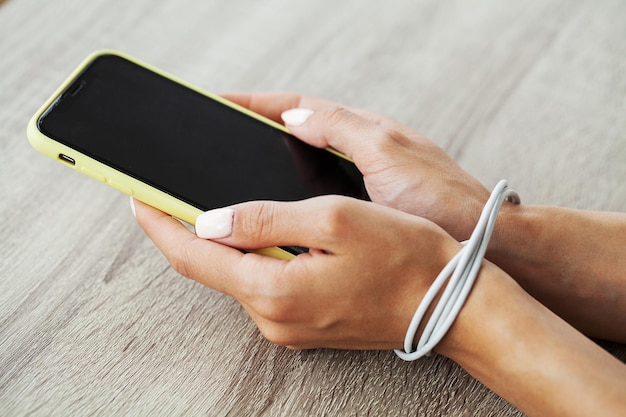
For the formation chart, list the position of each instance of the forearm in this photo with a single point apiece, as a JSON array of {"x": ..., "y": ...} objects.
[
  {"x": 572, "y": 261},
  {"x": 531, "y": 357}
]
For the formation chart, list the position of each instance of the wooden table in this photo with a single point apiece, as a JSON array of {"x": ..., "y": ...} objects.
[{"x": 92, "y": 319}]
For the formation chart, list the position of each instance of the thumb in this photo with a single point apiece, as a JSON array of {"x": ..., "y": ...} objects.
[
  {"x": 339, "y": 128},
  {"x": 262, "y": 224}
]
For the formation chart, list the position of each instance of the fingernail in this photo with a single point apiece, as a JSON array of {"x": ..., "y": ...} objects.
[
  {"x": 132, "y": 206},
  {"x": 296, "y": 117},
  {"x": 215, "y": 224}
]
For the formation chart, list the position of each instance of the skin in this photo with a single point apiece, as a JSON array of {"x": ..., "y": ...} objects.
[
  {"x": 582, "y": 281},
  {"x": 311, "y": 301},
  {"x": 503, "y": 336}
]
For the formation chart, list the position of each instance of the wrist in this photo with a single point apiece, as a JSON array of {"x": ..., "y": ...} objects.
[
  {"x": 553, "y": 253},
  {"x": 469, "y": 335},
  {"x": 520, "y": 241},
  {"x": 495, "y": 337},
  {"x": 456, "y": 279},
  {"x": 529, "y": 356}
]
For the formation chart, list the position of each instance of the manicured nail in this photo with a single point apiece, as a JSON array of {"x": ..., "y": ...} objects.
[
  {"x": 132, "y": 206},
  {"x": 215, "y": 224},
  {"x": 296, "y": 117}
]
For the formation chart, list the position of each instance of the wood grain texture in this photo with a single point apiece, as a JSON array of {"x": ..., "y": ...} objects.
[{"x": 92, "y": 319}]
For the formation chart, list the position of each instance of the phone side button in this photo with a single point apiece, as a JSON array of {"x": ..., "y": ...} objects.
[
  {"x": 93, "y": 174},
  {"x": 123, "y": 188}
]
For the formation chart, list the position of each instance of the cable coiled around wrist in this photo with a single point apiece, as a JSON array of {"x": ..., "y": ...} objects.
[{"x": 459, "y": 274}]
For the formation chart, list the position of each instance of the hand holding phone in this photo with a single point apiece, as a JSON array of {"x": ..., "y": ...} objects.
[{"x": 177, "y": 147}]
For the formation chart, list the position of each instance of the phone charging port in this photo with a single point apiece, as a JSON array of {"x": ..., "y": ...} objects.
[{"x": 67, "y": 159}]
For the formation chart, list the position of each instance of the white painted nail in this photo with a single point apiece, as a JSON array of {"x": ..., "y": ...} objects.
[
  {"x": 215, "y": 224},
  {"x": 132, "y": 206},
  {"x": 296, "y": 117}
]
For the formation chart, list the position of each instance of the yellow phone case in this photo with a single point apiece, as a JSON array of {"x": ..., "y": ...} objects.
[{"x": 117, "y": 179}]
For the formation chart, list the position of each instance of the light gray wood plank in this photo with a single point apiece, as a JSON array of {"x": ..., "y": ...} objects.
[{"x": 92, "y": 320}]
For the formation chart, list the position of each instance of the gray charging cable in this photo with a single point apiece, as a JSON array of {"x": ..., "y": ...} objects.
[{"x": 459, "y": 274}]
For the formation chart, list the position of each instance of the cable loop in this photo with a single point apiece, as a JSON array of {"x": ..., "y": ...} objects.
[{"x": 459, "y": 274}]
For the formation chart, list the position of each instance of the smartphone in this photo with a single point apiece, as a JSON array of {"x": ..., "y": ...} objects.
[{"x": 179, "y": 148}]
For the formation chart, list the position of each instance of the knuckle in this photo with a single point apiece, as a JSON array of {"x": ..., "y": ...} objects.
[
  {"x": 274, "y": 300},
  {"x": 334, "y": 216},
  {"x": 386, "y": 141},
  {"x": 335, "y": 114},
  {"x": 275, "y": 316},
  {"x": 182, "y": 259},
  {"x": 257, "y": 224},
  {"x": 178, "y": 260},
  {"x": 278, "y": 335},
  {"x": 276, "y": 310},
  {"x": 393, "y": 137}
]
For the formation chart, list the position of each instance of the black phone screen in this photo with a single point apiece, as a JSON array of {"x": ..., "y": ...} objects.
[{"x": 187, "y": 144}]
